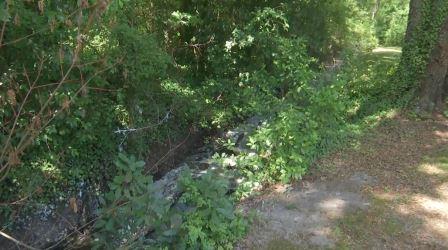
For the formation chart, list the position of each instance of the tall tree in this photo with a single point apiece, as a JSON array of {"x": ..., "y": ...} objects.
[
  {"x": 425, "y": 54},
  {"x": 433, "y": 86},
  {"x": 415, "y": 15}
]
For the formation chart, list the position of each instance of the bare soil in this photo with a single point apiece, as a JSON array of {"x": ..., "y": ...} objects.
[{"x": 388, "y": 190}]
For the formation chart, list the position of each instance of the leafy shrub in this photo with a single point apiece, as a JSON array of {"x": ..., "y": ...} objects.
[
  {"x": 308, "y": 123},
  {"x": 290, "y": 142},
  {"x": 143, "y": 66},
  {"x": 203, "y": 218},
  {"x": 261, "y": 65},
  {"x": 131, "y": 207},
  {"x": 209, "y": 219},
  {"x": 360, "y": 36},
  {"x": 146, "y": 61}
]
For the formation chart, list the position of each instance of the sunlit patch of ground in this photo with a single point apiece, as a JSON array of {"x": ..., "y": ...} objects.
[
  {"x": 387, "y": 50},
  {"x": 433, "y": 209}
]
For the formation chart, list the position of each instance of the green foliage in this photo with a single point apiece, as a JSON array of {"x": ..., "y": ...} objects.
[
  {"x": 130, "y": 208},
  {"x": 368, "y": 85},
  {"x": 45, "y": 107},
  {"x": 316, "y": 117},
  {"x": 332, "y": 26},
  {"x": 209, "y": 219},
  {"x": 203, "y": 218},
  {"x": 391, "y": 22},
  {"x": 257, "y": 66},
  {"x": 138, "y": 77},
  {"x": 156, "y": 69},
  {"x": 361, "y": 37},
  {"x": 286, "y": 146}
]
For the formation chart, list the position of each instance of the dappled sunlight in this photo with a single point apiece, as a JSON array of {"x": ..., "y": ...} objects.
[
  {"x": 431, "y": 169},
  {"x": 433, "y": 213},
  {"x": 294, "y": 213},
  {"x": 441, "y": 134},
  {"x": 408, "y": 160},
  {"x": 427, "y": 208},
  {"x": 430, "y": 205},
  {"x": 403, "y": 209},
  {"x": 437, "y": 226},
  {"x": 443, "y": 190},
  {"x": 173, "y": 124},
  {"x": 389, "y": 189},
  {"x": 333, "y": 207}
]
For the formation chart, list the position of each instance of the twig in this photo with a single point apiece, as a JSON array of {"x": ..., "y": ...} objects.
[
  {"x": 27, "y": 138},
  {"x": 102, "y": 89},
  {"x": 2, "y": 33},
  {"x": 17, "y": 241},
  {"x": 130, "y": 130},
  {"x": 168, "y": 153},
  {"x": 23, "y": 143},
  {"x": 5, "y": 147},
  {"x": 53, "y": 84},
  {"x": 22, "y": 38}
]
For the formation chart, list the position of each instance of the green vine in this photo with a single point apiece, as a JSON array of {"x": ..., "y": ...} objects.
[{"x": 417, "y": 49}]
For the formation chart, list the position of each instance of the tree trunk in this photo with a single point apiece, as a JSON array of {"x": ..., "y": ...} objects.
[
  {"x": 415, "y": 16},
  {"x": 433, "y": 83},
  {"x": 445, "y": 88},
  {"x": 376, "y": 8}
]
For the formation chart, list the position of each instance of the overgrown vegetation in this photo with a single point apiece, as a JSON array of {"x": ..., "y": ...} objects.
[
  {"x": 204, "y": 217},
  {"x": 100, "y": 78},
  {"x": 391, "y": 21}
]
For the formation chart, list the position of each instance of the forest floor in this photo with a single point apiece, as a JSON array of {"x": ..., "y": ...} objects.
[{"x": 387, "y": 190}]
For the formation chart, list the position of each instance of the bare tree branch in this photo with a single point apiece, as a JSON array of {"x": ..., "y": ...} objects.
[{"x": 7, "y": 236}]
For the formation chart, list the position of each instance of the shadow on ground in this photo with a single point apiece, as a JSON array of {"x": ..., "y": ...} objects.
[{"x": 389, "y": 190}]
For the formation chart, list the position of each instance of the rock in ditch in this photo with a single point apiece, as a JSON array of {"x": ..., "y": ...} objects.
[
  {"x": 239, "y": 136},
  {"x": 202, "y": 162}
]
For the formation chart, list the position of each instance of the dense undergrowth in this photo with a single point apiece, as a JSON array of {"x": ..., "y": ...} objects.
[{"x": 106, "y": 77}]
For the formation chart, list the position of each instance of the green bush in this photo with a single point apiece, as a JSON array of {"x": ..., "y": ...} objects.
[
  {"x": 209, "y": 219},
  {"x": 289, "y": 143},
  {"x": 131, "y": 207},
  {"x": 203, "y": 218}
]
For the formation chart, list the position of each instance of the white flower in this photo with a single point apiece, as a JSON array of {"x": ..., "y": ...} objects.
[{"x": 229, "y": 45}]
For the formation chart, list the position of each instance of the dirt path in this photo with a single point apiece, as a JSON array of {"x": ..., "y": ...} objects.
[{"x": 388, "y": 190}]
